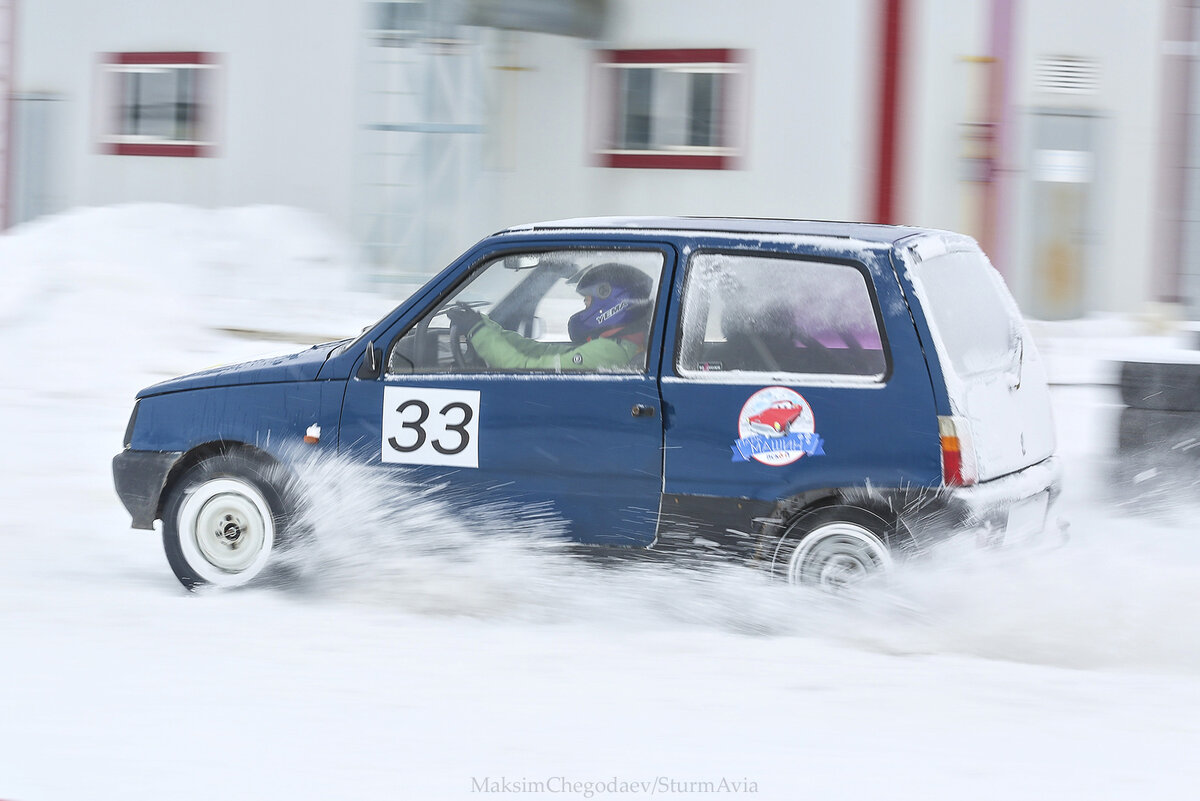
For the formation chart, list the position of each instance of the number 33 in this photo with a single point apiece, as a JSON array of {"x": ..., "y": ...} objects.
[
  {"x": 414, "y": 433},
  {"x": 460, "y": 428}
]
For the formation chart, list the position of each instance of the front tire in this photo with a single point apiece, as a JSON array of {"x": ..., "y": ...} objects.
[
  {"x": 222, "y": 522},
  {"x": 836, "y": 547}
]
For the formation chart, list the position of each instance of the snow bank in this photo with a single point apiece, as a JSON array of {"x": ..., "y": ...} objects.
[
  {"x": 164, "y": 252},
  {"x": 101, "y": 302},
  {"x": 100, "y": 297}
]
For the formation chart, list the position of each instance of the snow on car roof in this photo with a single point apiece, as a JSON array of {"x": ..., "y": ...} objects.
[{"x": 869, "y": 232}]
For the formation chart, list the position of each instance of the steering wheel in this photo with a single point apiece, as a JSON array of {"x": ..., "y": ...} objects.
[{"x": 461, "y": 353}]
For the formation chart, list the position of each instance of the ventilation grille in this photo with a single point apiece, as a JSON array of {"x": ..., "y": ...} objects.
[{"x": 1068, "y": 75}]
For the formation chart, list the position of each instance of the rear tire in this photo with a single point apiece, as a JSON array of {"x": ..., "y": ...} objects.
[
  {"x": 834, "y": 547},
  {"x": 223, "y": 521}
]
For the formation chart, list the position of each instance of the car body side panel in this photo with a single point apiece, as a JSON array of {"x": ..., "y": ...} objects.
[
  {"x": 271, "y": 417},
  {"x": 570, "y": 444},
  {"x": 565, "y": 448},
  {"x": 883, "y": 434},
  {"x": 567, "y": 444}
]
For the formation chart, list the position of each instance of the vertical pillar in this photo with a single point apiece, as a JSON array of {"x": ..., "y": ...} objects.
[
  {"x": 1177, "y": 58},
  {"x": 8, "y": 106},
  {"x": 1187, "y": 281},
  {"x": 999, "y": 127},
  {"x": 890, "y": 91}
]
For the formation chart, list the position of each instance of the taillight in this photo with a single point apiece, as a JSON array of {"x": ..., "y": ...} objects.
[{"x": 958, "y": 457}]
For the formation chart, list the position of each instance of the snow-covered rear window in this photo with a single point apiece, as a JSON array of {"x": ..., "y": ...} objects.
[
  {"x": 970, "y": 307},
  {"x": 759, "y": 313}
]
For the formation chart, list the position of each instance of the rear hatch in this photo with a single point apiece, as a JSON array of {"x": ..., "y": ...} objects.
[{"x": 995, "y": 379}]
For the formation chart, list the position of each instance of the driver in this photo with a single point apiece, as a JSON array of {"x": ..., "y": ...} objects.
[{"x": 608, "y": 333}]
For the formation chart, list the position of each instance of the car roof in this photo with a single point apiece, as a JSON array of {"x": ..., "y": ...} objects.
[{"x": 867, "y": 232}]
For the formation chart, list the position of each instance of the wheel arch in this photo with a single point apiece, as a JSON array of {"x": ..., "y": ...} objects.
[
  {"x": 207, "y": 450},
  {"x": 791, "y": 512}
]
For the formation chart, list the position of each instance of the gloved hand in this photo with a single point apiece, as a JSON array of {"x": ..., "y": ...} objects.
[{"x": 463, "y": 317}]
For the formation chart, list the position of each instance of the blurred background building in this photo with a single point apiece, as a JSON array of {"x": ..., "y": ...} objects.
[{"x": 1061, "y": 133}]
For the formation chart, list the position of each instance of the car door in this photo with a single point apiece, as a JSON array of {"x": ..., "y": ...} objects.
[
  {"x": 795, "y": 370},
  {"x": 579, "y": 441}
]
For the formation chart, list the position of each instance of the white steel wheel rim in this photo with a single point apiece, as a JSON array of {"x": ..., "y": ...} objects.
[
  {"x": 226, "y": 531},
  {"x": 836, "y": 556}
]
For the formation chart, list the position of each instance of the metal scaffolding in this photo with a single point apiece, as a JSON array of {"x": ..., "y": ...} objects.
[
  {"x": 422, "y": 112},
  {"x": 423, "y": 107}
]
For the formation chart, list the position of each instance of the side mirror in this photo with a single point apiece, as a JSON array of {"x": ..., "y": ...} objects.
[{"x": 370, "y": 366}]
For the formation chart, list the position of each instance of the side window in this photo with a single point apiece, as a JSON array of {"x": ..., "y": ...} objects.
[
  {"x": 769, "y": 314},
  {"x": 581, "y": 310}
]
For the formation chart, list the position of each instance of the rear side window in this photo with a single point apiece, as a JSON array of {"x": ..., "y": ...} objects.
[
  {"x": 773, "y": 314},
  {"x": 970, "y": 308}
]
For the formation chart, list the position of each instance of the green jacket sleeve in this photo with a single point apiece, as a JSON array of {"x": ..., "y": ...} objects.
[{"x": 508, "y": 350}]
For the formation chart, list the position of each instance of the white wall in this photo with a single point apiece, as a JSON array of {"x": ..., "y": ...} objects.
[
  {"x": 287, "y": 109},
  {"x": 290, "y": 75},
  {"x": 1125, "y": 38},
  {"x": 946, "y": 84},
  {"x": 808, "y": 137}
]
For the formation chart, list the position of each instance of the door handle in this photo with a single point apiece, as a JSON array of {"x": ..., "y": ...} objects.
[{"x": 642, "y": 411}]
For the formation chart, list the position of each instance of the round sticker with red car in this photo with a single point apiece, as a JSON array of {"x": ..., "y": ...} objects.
[{"x": 776, "y": 427}]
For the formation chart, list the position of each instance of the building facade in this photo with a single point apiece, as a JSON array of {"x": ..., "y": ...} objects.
[{"x": 1057, "y": 132}]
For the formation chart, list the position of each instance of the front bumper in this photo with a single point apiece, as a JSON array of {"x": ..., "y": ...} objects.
[{"x": 139, "y": 477}]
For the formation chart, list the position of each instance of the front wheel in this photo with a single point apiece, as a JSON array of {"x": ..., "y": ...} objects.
[
  {"x": 836, "y": 547},
  {"x": 222, "y": 522}
]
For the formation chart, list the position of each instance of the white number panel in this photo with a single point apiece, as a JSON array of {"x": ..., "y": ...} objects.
[{"x": 430, "y": 426}]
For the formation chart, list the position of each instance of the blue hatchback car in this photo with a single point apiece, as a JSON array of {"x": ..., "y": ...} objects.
[{"x": 820, "y": 397}]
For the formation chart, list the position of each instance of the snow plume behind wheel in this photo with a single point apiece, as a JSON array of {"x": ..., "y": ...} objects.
[
  {"x": 326, "y": 524},
  {"x": 384, "y": 538},
  {"x": 373, "y": 534}
]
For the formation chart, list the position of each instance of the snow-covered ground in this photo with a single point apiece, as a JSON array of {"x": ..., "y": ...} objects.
[{"x": 454, "y": 663}]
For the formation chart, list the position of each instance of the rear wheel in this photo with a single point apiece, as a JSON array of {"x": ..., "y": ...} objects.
[
  {"x": 835, "y": 547},
  {"x": 223, "y": 521}
]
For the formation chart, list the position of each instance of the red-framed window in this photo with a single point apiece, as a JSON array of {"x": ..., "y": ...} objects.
[
  {"x": 159, "y": 104},
  {"x": 675, "y": 109}
]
